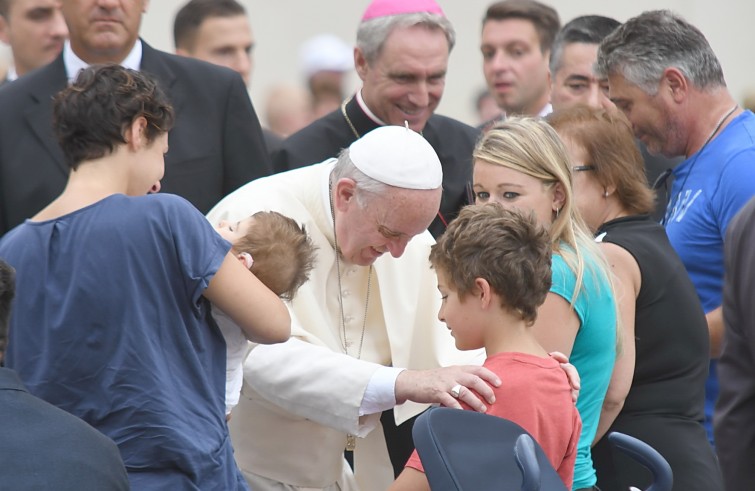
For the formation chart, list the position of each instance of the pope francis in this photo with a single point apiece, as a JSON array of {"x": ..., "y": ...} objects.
[{"x": 365, "y": 333}]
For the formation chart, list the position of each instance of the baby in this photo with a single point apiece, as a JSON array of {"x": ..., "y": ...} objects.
[{"x": 280, "y": 253}]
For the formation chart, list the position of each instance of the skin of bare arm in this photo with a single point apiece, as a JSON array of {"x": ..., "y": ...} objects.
[
  {"x": 249, "y": 303},
  {"x": 715, "y": 320},
  {"x": 556, "y": 325},
  {"x": 410, "y": 480},
  {"x": 627, "y": 281}
]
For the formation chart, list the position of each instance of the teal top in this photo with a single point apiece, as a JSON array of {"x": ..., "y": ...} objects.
[{"x": 593, "y": 353}]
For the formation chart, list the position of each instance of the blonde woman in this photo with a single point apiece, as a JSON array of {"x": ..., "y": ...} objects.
[{"x": 521, "y": 163}]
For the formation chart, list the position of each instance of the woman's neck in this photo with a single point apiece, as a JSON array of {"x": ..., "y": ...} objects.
[
  {"x": 89, "y": 183},
  {"x": 612, "y": 210}
]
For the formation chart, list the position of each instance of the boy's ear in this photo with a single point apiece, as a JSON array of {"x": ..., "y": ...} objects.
[{"x": 483, "y": 292}]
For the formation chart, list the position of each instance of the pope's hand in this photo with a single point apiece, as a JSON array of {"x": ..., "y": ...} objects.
[{"x": 447, "y": 386}]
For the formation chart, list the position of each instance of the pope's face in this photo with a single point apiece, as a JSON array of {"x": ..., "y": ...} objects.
[
  {"x": 103, "y": 30},
  {"x": 406, "y": 80},
  {"x": 380, "y": 224}
]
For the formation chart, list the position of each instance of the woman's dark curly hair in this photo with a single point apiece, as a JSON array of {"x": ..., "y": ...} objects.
[{"x": 91, "y": 116}]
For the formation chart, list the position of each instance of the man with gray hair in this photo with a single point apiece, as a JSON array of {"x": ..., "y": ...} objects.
[
  {"x": 362, "y": 318},
  {"x": 664, "y": 76},
  {"x": 573, "y": 81},
  {"x": 402, "y": 57}
]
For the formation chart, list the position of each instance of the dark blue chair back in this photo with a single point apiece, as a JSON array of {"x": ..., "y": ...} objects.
[
  {"x": 470, "y": 451},
  {"x": 663, "y": 477}
]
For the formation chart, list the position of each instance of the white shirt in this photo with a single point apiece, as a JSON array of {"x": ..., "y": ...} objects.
[
  {"x": 12, "y": 74},
  {"x": 545, "y": 110},
  {"x": 74, "y": 64},
  {"x": 370, "y": 114}
]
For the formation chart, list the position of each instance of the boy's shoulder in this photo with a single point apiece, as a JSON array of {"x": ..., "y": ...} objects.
[
  {"x": 523, "y": 361},
  {"x": 518, "y": 370}
]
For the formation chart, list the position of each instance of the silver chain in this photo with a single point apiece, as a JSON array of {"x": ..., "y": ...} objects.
[{"x": 340, "y": 294}]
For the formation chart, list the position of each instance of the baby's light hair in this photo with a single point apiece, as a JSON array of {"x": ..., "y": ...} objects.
[{"x": 283, "y": 253}]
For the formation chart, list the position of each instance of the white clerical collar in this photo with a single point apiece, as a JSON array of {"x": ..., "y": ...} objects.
[
  {"x": 12, "y": 74},
  {"x": 74, "y": 64},
  {"x": 366, "y": 109},
  {"x": 545, "y": 110}
]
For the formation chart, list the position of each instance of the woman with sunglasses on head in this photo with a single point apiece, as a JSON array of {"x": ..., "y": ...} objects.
[{"x": 658, "y": 384}]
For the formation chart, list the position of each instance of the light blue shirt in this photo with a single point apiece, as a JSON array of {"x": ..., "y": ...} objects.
[{"x": 593, "y": 353}]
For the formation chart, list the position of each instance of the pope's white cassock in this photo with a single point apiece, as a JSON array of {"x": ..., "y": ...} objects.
[{"x": 301, "y": 398}]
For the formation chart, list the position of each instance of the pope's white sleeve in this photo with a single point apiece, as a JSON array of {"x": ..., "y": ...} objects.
[
  {"x": 380, "y": 394},
  {"x": 313, "y": 382}
]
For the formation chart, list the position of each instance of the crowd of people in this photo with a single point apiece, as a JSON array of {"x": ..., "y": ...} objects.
[{"x": 194, "y": 301}]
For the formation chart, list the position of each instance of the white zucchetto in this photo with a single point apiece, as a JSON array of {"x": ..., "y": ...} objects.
[{"x": 397, "y": 156}]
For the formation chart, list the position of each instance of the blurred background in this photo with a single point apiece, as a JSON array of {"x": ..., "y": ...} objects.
[{"x": 280, "y": 28}]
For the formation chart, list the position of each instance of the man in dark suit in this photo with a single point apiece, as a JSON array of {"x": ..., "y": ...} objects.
[
  {"x": 34, "y": 30},
  {"x": 44, "y": 447},
  {"x": 734, "y": 418},
  {"x": 218, "y": 31},
  {"x": 402, "y": 58},
  {"x": 516, "y": 42},
  {"x": 215, "y": 146}
]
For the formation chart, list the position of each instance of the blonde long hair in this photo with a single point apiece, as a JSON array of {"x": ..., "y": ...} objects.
[{"x": 530, "y": 146}]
